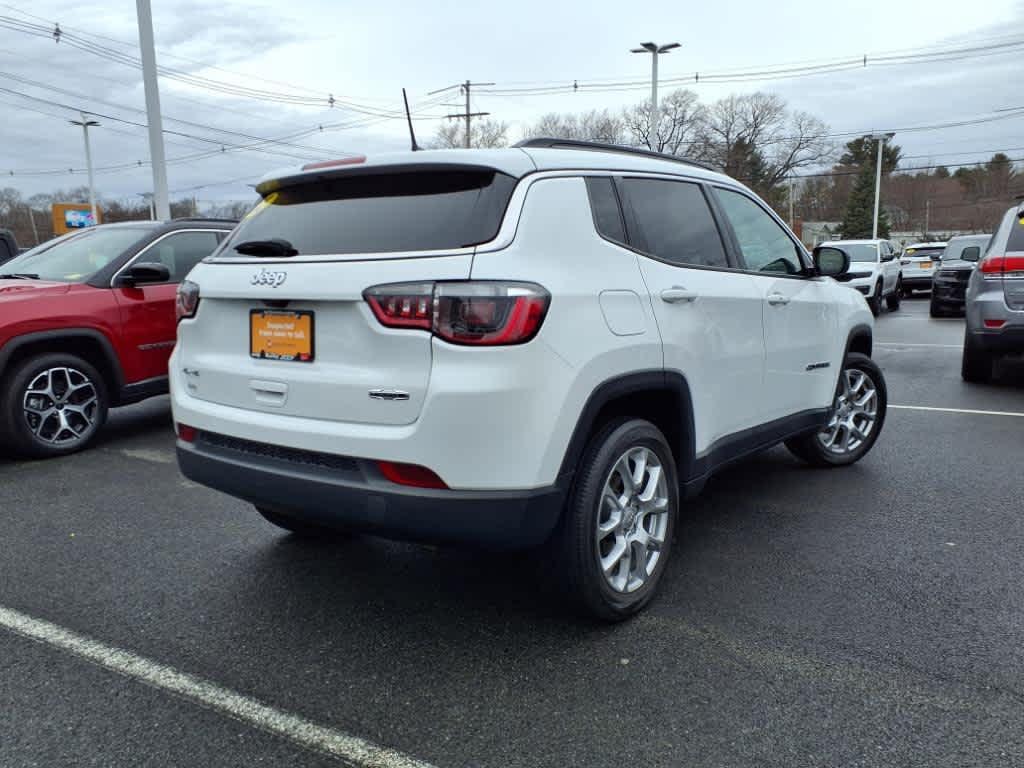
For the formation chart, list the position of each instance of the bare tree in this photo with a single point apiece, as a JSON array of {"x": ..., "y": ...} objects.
[
  {"x": 757, "y": 133},
  {"x": 484, "y": 134},
  {"x": 596, "y": 125},
  {"x": 680, "y": 123}
]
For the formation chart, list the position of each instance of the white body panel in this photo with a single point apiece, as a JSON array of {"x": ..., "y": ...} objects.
[{"x": 501, "y": 418}]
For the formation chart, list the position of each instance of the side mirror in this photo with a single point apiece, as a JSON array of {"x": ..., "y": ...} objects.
[
  {"x": 971, "y": 254},
  {"x": 144, "y": 272},
  {"x": 831, "y": 261}
]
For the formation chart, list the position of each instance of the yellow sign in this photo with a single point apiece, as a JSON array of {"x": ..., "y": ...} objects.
[{"x": 281, "y": 335}]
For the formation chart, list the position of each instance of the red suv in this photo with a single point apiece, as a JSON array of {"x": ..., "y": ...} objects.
[{"x": 87, "y": 323}]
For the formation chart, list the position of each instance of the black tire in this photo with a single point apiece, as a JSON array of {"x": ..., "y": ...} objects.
[
  {"x": 302, "y": 528},
  {"x": 809, "y": 447},
  {"x": 892, "y": 301},
  {"x": 976, "y": 364},
  {"x": 875, "y": 302},
  {"x": 576, "y": 544},
  {"x": 49, "y": 437},
  {"x": 935, "y": 309}
]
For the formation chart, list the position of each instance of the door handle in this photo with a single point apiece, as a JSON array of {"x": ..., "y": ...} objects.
[
  {"x": 777, "y": 299},
  {"x": 676, "y": 294}
]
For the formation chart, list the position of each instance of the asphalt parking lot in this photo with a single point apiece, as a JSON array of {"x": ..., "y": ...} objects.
[{"x": 860, "y": 617}]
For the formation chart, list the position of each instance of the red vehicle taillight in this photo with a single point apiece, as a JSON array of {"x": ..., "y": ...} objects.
[
  {"x": 410, "y": 474},
  {"x": 186, "y": 433},
  {"x": 187, "y": 300},
  {"x": 477, "y": 313},
  {"x": 997, "y": 266}
]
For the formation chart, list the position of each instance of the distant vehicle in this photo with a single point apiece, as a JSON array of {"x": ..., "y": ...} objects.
[
  {"x": 918, "y": 264},
  {"x": 950, "y": 282},
  {"x": 87, "y": 323},
  {"x": 995, "y": 300},
  {"x": 874, "y": 271},
  {"x": 8, "y": 246}
]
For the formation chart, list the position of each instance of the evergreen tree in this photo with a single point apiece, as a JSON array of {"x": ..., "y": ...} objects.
[{"x": 860, "y": 210}]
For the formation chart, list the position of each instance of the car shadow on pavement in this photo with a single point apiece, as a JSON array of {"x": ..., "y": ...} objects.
[{"x": 373, "y": 581}]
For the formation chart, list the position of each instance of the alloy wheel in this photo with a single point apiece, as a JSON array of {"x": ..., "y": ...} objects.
[
  {"x": 632, "y": 519},
  {"x": 60, "y": 406},
  {"x": 854, "y": 414}
]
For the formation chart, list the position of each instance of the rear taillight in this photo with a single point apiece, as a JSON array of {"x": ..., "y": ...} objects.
[
  {"x": 477, "y": 313},
  {"x": 186, "y": 433},
  {"x": 997, "y": 266},
  {"x": 187, "y": 301},
  {"x": 410, "y": 474}
]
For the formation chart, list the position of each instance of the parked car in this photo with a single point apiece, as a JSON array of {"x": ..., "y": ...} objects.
[
  {"x": 918, "y": 262},
  {"x": 950, "y": 282},
  {"x": 555, "y": 342},
  {"x": 874, "y": 271},
  {"x": 995, "y": 300},
  {"x": 87, "y": 323},
  {"x": 8, "y": 246}
]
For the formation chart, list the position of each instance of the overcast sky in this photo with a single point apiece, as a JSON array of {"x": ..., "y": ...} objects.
[{"x": 365, "y": 52}]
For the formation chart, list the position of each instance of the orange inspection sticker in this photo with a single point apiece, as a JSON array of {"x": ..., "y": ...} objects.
[{"x": 281, "y": 335}]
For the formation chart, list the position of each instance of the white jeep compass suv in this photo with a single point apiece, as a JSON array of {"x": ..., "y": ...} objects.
[{"x": 549, "y": 344}]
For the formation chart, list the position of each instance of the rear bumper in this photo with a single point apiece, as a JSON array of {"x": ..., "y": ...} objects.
[
  {"x": 350, "y": 493},
  {"x": 1005, "y": 341},
  {"x": 918, "y": 283},
  {"x": 949, "y": 293}
]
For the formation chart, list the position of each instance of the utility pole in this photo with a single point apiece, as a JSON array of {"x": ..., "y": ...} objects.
[
  {"x": 790, "y": 201},
  {"x": 655, "y": 50},
  {"x": 32, "y": 218},
  {"x": 880, "y": 138},
  {"x": 467, "y": 115},
  {"x": 86, "y": 124},
  {"x": 161, "y": 199}
]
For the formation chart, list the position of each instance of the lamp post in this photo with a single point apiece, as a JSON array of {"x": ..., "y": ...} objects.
[
  {"x": 655, "y": 50},
  {"x": 881, "y": 139},
  {"x": 86, "y": 124}
]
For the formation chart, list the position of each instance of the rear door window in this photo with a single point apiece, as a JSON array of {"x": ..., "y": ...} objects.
[
  {"x": 382, "y": 213},
  {"x": 675, "y": 222},
  {"x": 1016, "y": 241}
]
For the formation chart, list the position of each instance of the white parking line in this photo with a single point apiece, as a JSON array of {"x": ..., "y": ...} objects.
[
  {"x": 956, "y": 410},
  {"x": 910, "y": 344},
  {"x": 350, "y": 749}
]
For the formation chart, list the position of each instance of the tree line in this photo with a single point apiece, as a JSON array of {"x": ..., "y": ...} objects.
[{"x": 757, "y": 139}]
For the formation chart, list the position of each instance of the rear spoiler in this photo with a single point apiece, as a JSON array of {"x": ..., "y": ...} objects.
[{"x": 272, "y": 185}]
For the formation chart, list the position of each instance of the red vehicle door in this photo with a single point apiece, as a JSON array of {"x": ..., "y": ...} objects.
[{"x": 147, "y": 311}]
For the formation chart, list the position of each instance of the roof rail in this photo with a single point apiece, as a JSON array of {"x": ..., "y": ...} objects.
[
  {"x": 599, "y": 146},
  {"x": 212, "y": 219}
]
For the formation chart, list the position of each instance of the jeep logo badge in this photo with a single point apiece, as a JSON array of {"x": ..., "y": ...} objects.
[{"x": 266, "y": 277}]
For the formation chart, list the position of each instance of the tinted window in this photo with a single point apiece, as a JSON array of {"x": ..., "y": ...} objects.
[
  {"x": 1016, "y": 241},
  {"x": 675, "y": 222},
  {"x": 383, "y": 213},
  {"x": 860, "y": 251},
  {"x": 605, "y": 207},
  {"x": 765, "y": 245},
  {"x": 180, "y": 252}
]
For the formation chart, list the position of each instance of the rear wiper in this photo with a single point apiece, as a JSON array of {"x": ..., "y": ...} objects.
[
  {"x": 274, "y": 248},
  {"x": 19, "y": 276}
]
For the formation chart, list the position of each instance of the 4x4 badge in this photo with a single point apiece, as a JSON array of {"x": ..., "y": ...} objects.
[{"x": 266, "y": 277}]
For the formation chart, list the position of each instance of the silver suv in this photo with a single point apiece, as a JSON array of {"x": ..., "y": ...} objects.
[{"x": 995, "y": 300}]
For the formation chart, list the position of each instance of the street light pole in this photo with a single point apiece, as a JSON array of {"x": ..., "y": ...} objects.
[
  {"x": 654, "y": 50},
  {"x": 880, "y": 138},
  {"x": 86, "y": 124},
  {"x": 156, "y": 136}
]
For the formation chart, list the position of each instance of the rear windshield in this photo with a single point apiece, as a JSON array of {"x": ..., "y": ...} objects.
[
  {"x": 382, "y": 213},
  {"x": 925, "y": 251},
  {"x": 1016, "y": 241}
]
